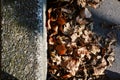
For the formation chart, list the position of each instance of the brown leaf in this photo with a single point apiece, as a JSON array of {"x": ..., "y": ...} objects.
[
  {"x": 72, "y": 66},
  {"x": 61, "y": 21},
  {"x": 61, "y": 49},
  {"x": 83, "y": 51},
  {"x": 66, "y": 76},
  {"x": 54, "y": 67}
]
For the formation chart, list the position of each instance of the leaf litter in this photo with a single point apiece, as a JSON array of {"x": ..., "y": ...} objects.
[{"x": 75, "y": 52}]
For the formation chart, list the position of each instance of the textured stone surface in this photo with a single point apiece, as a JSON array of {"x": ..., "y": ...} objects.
[{"x": 23, "y": 40}]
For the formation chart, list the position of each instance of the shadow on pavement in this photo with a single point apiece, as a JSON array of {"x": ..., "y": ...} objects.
[
  {"x": 7, "y": 76},
  {"x": 104, "y": 26},
  {"x": 112, "y": 75}
]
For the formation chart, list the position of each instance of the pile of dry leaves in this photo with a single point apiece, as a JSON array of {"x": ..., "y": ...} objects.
[{"x": 74, "y": 50}]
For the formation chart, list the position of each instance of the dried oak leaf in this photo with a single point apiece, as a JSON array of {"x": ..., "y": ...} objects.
[
  {"x": 61, "y": 20},
  {"x": 71, "y": 65},
  {"x": 61, "y": 49}
]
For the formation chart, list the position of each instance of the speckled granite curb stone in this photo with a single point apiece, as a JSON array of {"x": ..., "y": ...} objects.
[{"x": 24, "y": 48}]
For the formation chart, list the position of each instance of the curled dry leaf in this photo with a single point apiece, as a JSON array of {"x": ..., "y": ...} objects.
[{"x": 72, "y": 66}]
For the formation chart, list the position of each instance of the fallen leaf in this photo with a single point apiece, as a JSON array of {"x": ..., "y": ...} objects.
[
  {"x": 72, "y": 66},
  {"x": 66, "y": 76},
  {"x": 61, "y": 49},
  {"x": 82, "y": 51},
  {"x": 95, "y": 49}
]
